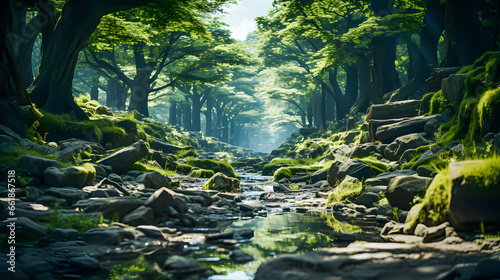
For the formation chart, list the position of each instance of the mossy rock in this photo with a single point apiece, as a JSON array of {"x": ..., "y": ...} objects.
[
  {"x": 201, "y": 173},
  {"x": 221, "y": 182},
  {"x": 349, "y": 189},
  {"x": 216, "y": 166},
  {"x": 289, "y": 172},
  {"x": 183, "y": 168}
]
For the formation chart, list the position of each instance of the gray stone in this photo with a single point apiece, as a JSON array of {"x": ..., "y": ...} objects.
[
  {"x": 73, "y": 176},
  {"x": 395, "y": 150},
  {"x": 385, "y": 178},
  {"x": 367, "y": 199},
  {"x": 319, "y": 175},
  {"x": 489, "y": 137},
  {"x": 125, "y": 157},
  {"x": 35, "y": 165},
  {"x": 107, "y": 236},
  {"x": 85, "y": 263},
  {"x": 454, "y": 87},
  {"x": 495, "y": 147},
  {"x": 349, "y": 138},
  {"x": 239, "y": 257},
  {"x": 221, "y": 182},
  {"x": 142, "y": 215},
  {"x": 433, "y": 233},
  {"x": 402, "y": 190},
  {"x": 433, "y": 124},
  {"x": 472, "y": 204},
  {"x": 426, "y": 172},
  {"x": 103, "y": 110},
  {"x": 487, "y": 269},
  {"x": 161, "y": 199},
  {"x": 421, "y": 230},
  {"x": 65, "y": 233},
  {"x": 354, "y": 168},
  {"x": 376, "y": 189},
  {"x": 249, "y": 206},
  {"x": 151, "y": 231},
  {"x": 71, "y": 195},
  {"x": 104, "y": 193},
  {"x": 25, "y": 228},
  {"x": 110, "y": 207},
  {"x": 153, "y": 180}
]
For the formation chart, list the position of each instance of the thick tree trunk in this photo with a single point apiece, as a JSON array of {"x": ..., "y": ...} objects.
[
  {"x": 365, "y": 89},
  {"x": 232, "y": 132},
  {"x": 141, "y": 89},
  {"x": 340, "y": 113},
  {"x": 427, "y": 58},
  {"x": 121, "y": 96},
  {"x": 309, "y": 114},
  {"x": 330, "y": 108},
  {"x": 186, "y": 120},
  {"x": 196, "y": 112},
  {"x": 351, "y": 88},
  {"x": 322, "y": 105},
  {"x": 111, "y": 93},
  {"x": 26, "y": 39},
  {"x": 172, "y": 119},
  {"x": 79, "y": 18},
  {"x": 225, "y": 130},
  {"x": 385, "y": 76},
  {"x": 412, "y": 48},
  {"x": 94, "y": 93},
  {"x": 465, "y": 36},
  {"x": 208, "y": 117}
]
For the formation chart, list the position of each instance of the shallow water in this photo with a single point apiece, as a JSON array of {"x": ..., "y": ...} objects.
[{"x": 274, "y": 235}]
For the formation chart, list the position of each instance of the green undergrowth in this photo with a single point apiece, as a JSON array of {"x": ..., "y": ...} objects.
[
  {"x": 436, "y": 203},
  {"x": 348, "y": 189},
  {"x": 376, "y": 166},
  {"x": 183, "y": 168},
  {"x": 11, "y": 155},
  {"x": 201, "y": 173},
  {"x": 289, "y": 172},
  {"x": 214, "y": 165},
  {"x": 337, "y": 226},
  {"x": 276, "y": 163},
  {"x": 81, "y": 223},
  {"x": 186, "y": 153},
  {"x": 146, "y": 166},
  {"x": 479, "y": 111}
]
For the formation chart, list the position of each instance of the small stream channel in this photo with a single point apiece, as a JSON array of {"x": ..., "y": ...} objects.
[{"x": 275, "y": 232}]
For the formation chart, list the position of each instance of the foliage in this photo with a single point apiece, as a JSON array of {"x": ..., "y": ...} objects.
[
  {"x": 186, "y": 153},
  {"x": 289, "y": 172},
  {"x": 201, "y": 173},
  {"x": 348, "y": 189},
  {"x": 79, "y": 222},
  {"x": 183, "y": 168},
  {"x": 376, "y": 166}
]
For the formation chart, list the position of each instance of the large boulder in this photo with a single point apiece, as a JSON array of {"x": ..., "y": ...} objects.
[
  {"x": 395, "y": 150},
  {"x": 122, "y": 159},
  {"x": 221, "y": 182},
  {"x": 162, "y": 199},
  {"x": 354, "y": 168},
  {"x": 73, "y": 176},
  {"x": 454, "y": 87},
  {"x": 319, "y": 175},
  {"x": 142, "y": 215},
  {"x": 25, "y": 228},
  {"x": 475, "y": 193},
  {"x": 403, "y": 189},
  {"x": 35, "y": 165},
  {"x": 153, "y": 180},
  {"x": 385, "y": 178},
  {"x": 112, "y": 207},
  {"x": 368, "y": 149}
]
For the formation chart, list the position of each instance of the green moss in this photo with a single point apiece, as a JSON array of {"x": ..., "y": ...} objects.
[
  {"x": 338, "y": 226},
  {"x": 425, "y": 105},
  {"x": 438, "y": 103},
  {"x": 214, "y": 165},
  {"x": 183, "y": 168},
  {"x": 201, "y": 173},
  {"x": 186, "y": 153},
  {"x": 11, "y": 156},
  {"x": 81, "y": 223},
  {"x": 489, "y": 105},
  {"x": 289, "y": 172},
  {"x": 483, "y": 174},
  {"x": 375, "y": 165},
  {"x": 348, "y": 189},
  {"x": 150, "y": 166}
]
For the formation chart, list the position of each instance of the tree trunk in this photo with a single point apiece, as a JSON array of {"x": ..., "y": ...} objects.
[
  {"x": 141, "y": 88},
  {"x": 172, "y": 119},
  {"x": 225, "y": 130},
  {"x": 196, "y": 112},
  {"x": 79, "y": 18},
  {"x": 385, "y": 77},
  {"x": 94, "y": 93},
  {"x": 427, "y": 58},
  {"x": 232, "y": 132},
  {"x": 111, "y": 93},
  {"x": 338, "y": 96},
  {"x": 351, "y": 88},
  {"x": 208, "y": 117},
  {"x": 322, "y": 105},
  {"x": 365, "y": 89},
  {"x": 330, "y": 108},
  {"x": 187, "y": 116},
  {"x": 412, "y": 48},
  {"x": 465, "y": 36},
  {"x": 26, "y": 39}
]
